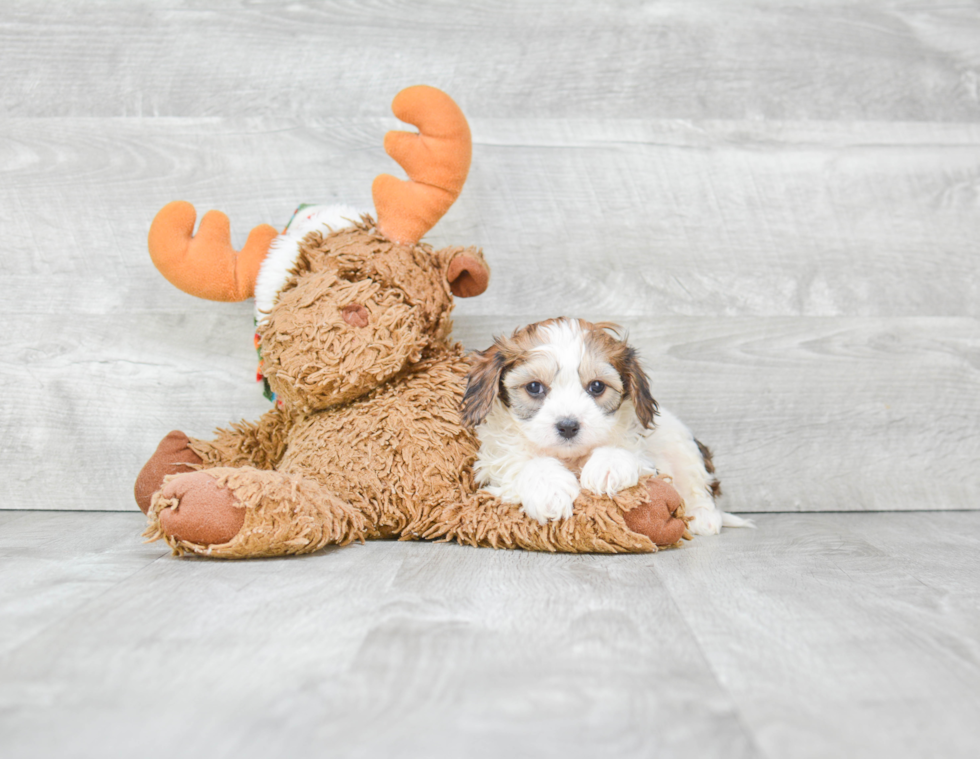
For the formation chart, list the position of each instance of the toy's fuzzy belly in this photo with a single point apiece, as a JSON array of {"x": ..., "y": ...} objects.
[{"x": 402, "y": 443}]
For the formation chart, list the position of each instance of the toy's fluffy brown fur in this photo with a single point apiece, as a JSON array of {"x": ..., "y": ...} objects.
[{"x": 368, "y": 442}]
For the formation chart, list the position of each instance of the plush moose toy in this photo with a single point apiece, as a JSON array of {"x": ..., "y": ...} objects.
[{"x": 364, "y": 440}]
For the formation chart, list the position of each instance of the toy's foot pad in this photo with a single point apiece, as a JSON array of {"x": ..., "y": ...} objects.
[
  {"x": 172, "y": 456},
  {"x": 203, "y": 512},
  {"x": 656, "y": 519}
]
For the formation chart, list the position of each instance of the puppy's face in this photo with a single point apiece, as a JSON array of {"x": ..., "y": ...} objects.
[{"x": 564, "y": 382}]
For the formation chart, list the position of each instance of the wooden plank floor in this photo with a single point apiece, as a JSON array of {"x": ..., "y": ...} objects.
[{"x": 815, "y": 635}]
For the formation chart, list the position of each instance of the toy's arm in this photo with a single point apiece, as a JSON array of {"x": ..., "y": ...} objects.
[
  {"x": 635, "y": 520},
  {"x": 260, "y": 444}
]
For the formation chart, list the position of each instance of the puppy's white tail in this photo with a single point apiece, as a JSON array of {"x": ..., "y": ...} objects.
[{"x": 730, "y": 520}]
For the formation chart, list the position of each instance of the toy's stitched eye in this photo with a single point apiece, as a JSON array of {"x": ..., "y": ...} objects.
[
  {"x": 534, "y": 389},
  {"x": 596, "y": 388}
]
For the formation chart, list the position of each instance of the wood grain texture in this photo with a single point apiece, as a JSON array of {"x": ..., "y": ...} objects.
[
  {"x": 377, "y": 650},
  {"x": 780, "y": 200},
  {"x": 96, "y": 401},
  {"x": 685, "y": 59},
  {"x": 601, "y": 215},
  {"x": 815, "y": 635},
  {"x": 53, "y": 564},
  {"x": 851, "y": 647},
  {"x": 803, "y": 413}
]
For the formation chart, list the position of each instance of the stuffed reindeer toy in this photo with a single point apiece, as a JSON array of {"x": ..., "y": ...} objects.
[{"x": 365, "y": 438}]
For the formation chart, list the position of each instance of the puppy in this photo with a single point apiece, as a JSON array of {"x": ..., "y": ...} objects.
[{"x": 564, "y": 404}]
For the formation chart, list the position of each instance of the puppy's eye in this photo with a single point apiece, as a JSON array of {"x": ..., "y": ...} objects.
[
  {"x": 534, "y": 389},
  {"x": 596, "y": 387}
]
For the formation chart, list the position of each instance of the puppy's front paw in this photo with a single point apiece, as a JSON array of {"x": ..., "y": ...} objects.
[
  {"x": 610, "y": 470},
  {"x": 547, "y": 490}
]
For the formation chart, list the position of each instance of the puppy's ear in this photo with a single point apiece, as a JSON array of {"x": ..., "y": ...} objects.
[
  {"x": 637, "y": 387},
  {"x": 483, "y": 385}
]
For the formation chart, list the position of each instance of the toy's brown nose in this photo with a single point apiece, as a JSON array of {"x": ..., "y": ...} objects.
[{"x": 355, "y": 315}]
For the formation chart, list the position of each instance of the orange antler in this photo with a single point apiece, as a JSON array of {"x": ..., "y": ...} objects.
[
  {"x": 205, "y": 264},
  {"x": 436, "y": 160}
]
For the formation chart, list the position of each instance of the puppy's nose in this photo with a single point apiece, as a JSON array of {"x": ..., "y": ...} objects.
[{"x": 568, "y": 428}]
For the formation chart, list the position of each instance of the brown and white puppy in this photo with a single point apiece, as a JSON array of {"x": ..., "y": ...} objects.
[{"x": 564, "y": 404}]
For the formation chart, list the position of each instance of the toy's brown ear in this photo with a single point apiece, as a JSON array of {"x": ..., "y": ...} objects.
[
  {"x": 468, "y": 273},
  {"x": 483, "y": 384}
]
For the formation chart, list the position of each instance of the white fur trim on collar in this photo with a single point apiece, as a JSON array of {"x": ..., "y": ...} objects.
[{"x": 284, "y": 249}]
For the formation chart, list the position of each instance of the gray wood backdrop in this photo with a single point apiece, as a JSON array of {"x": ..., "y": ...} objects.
[{"x": 780, "y": 200}]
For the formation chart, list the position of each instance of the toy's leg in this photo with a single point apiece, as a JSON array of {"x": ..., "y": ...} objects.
[
  {"x": 636, "y": 520},
  {"x": 258, "y": 444},
  {"x": 172, "y": 456},
  {"x": 245, "y": 512}
]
